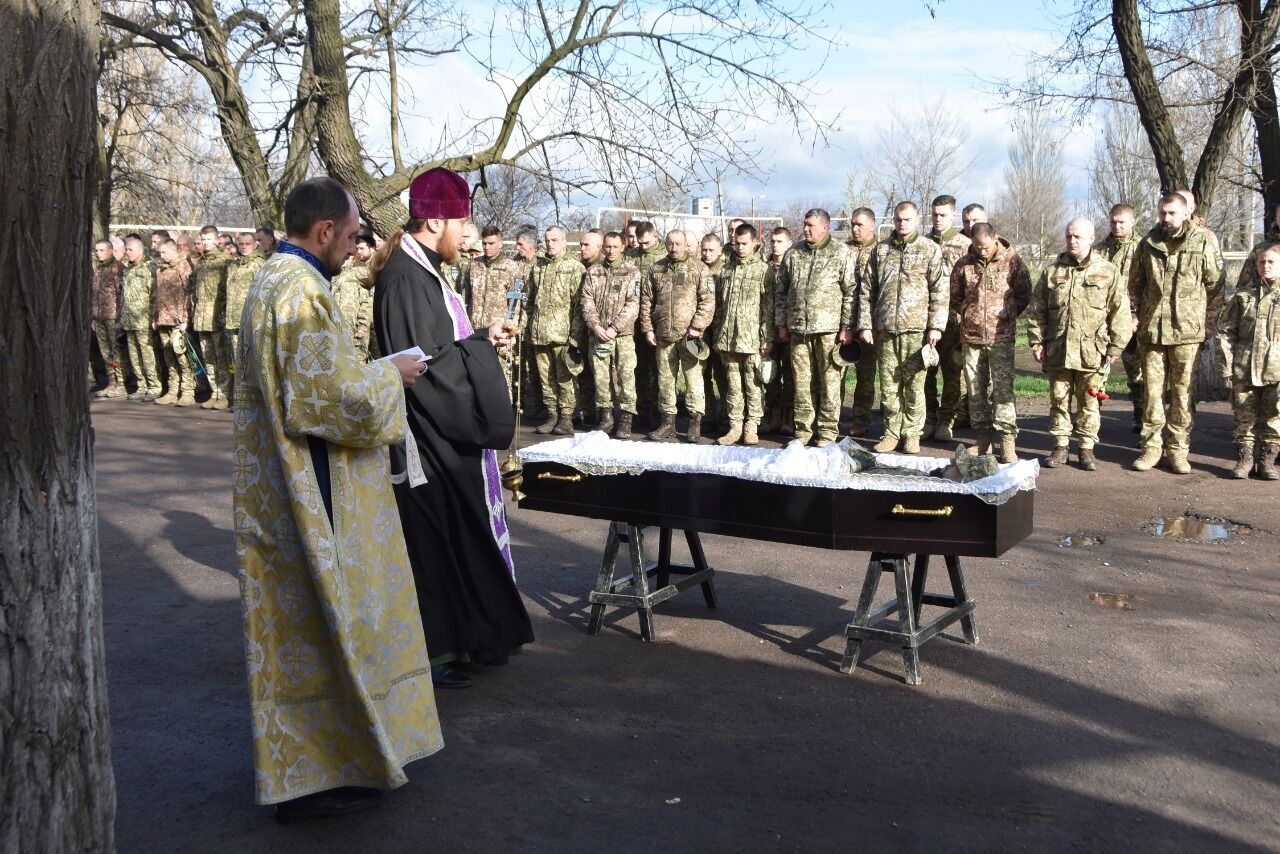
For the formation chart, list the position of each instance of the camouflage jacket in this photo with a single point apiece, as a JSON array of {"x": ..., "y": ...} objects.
[
  {"x": 1175, "y": 287},
  {"x": 744, "y": 321},
  {"x": 172, "y": 303},
  {"x": 1251, "y": 326},
  {"x": 456, "y": 274},
  {"x": 485, "y": 290},
  {"x": 1119, "y": 252},
  {"x": 1249, "y": 272},
  {"x": 137, "y": 294},
  {"x": 611, "y": 296},
  {"x": 105, "y": 296},
  {"x": 677, "y": 296},
  {"x": 1079, "y": 313},
  {"x": 906, "y": 291},
  {"x": 954, "y": 245},
  {"x": 353, "y": 299},
  {"x": 239, "y": 277},
  {"x": 815, "y": 287},
  {"x": 555, "y": 316},
  {"x": 990, "y": 295},
  {"x": 209, "y": 291},
  {"x": 861, "y": 254}
]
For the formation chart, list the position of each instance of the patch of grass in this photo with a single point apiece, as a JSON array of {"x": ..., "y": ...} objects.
[{"x": 1033, "y": 384}]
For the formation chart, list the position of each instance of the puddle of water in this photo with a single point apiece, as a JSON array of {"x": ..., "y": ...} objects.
[
  {"x": 1115, "y": 601},
  {"x": 1080, "y": 538},
  {"x": 1196, "y": 528}
]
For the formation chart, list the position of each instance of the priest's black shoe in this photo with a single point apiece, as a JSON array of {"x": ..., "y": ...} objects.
[
  {"x": 446, "y": 676},
  {"x": 343, "y": 800}
]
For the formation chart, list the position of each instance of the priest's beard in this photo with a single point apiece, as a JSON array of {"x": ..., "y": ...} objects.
[{"x": 448, "y": 252}]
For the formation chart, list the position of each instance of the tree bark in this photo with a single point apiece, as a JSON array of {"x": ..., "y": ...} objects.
[
  {"x": 57, "y": 791},
  {"x": 1266, "y": 121}
]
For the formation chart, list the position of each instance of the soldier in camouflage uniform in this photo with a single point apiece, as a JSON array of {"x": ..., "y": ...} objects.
[
  {"x": 589, "y": 252},
  {"x": 990, "y": 288},
  {"x": 902, "y": 308},
  {"x": 862, "y": 223},
  {"x": 1249, "y": 272},
  {"x": 209, "y": 289},
  {"x": 1175, "y": 285},
  {"x": 1077, "y": 323},
  {"x": 240, "y": 276},
  {"x": 944, "y": 406},
  {"x": 108, "y": 274},
  {"x": 814, "y": 299},
  {"x": 712, "y": 252},
  {"x": 489, "y": 279},
  {"x": 1251, "y": 325},
  {"x": 648, "y": 251},
  {"x": 610, "y": 307},
  {"x": 135, "y": 318},
  {"x": 555, "y": 323},
  {"x": 742, "y": 333},
  {"x": 1118, "y": 248},
  {"x": 266, "y": 241},
  {"x": 777, "y": 392},
  {"x": 677, "y": 302},
  {"x": 353, "y": 297},
  {"x": 170, "y": 315},
  {"x": 971, "y": 216}
]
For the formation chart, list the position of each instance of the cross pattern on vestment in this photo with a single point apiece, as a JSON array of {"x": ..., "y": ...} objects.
[
  {"x": 314, "y": 352},
  {"x": 244, "y": 468},
  {"x": 317, "y": 403}
]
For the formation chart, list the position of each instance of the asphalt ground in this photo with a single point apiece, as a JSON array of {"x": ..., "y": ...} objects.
[{"x": 1075, "y": 724}]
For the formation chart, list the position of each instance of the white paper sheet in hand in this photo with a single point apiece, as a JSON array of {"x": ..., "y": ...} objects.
[{"x": 412, "y": 351}]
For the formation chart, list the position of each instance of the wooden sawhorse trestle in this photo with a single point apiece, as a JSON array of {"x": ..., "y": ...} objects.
[
  {"x": 909, "y": 600},
  {"x": 641, "y": 597}
]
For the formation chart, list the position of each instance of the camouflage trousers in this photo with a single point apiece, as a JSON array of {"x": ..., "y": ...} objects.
[
  {"x": 778, "y": 393},
  {"x": 1064, "y": 387},
  {"x": 233, "y": 360},
  {"x": 142, "y": 356},
  {"x": 943, "y": 407},
  {"x": 614, "y": 365},
  {"x": 1132, "y": 363},
  {"x": 554, "y": 378},
  {"x": 902, "y": 373},
  {"x": 864, "y": 388},
  {"x": 180, "y": 379},
  {"x": 213, "y": 351},
  {"x": 104, "y": 332},
  {"x": 813, "y": 370},
  {"x": 646, "y": 373},
  {"x": 1167, "y": 367},
  {"x": 988, "y": 374},
  {"x": 715, "y": 382},
  {"x": 1256, "y": 410},
  {"x": 673, "y": 360},
  {"x": 743, "y": 394}
]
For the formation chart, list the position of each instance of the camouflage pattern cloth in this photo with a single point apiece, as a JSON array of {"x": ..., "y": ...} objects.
[
  {"x": 355, "y": 303},
  {"x": 674, "y": 361},
  {"x": 611, "y": 298},
  {"x": 209, "y": 291},
  {"x": 1120, "y": 252},
  {"x": 943, "y": 405},
  {"x": 742, "y": 328},
  {"x": 953, "y": 244},
  {"x": 485, "y": 290},
  {"x": 108, "y": 281},
  {"x": 555, "y": 322},
  {"x": 180, "y": 381},
  {"x": 988, "y": 374},
  {"x": 106, "y": 333},
  {"x": 1249, "y": 272},
  {"x": 864, "y": 370},
  {"x": 815, "y": 288},
  {"x": 901, "y": 371},
  {"x": 239, "y": 276},
  {"x": 988, "y": 297},
  {"x": 1080, "y": 315},
  {"x": 171, "y": 304},
  {"x": 137, "y": 293},
  {"x": 677, "y": 296},
  {"x": 456, "y": 274},
  {"x": 777, "y": 394},
  {"x": 646, "y": 356},
  {"x": 1251, "y": 325},
  {"x": 140, "y": 345}
]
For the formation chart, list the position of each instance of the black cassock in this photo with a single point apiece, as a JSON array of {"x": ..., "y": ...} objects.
[{"x": 471, "y": 609}]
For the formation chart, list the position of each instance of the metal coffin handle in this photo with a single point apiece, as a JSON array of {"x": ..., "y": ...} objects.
[
  {"x": 568, "y": 478},
  {"x": 943, "y": 512}
]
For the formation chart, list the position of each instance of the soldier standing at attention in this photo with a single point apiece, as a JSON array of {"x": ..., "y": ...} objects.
[
  {"x": 589, "y": 246},
  {"x": 1250, "y": 269},
  {"x": 777, "y": 392},
  {"x": 990, "y": 288},
  {"x": 677, "y": 304},
  {"x": 1175, "y": 285},
  {"x": 971, "y": 216},
  {"x": 862, "y": 224},
  {"x": 108, "y": 274},
  {"x": 1251, "y": 324},
  {"x": 629, "y": 232},
  {"x": 1078, "y": 321},
  {"x": 353, "y": 298},
  {"x": 135, "y": 316},
  {"x": 170, "y": 314},
  {"x": 742, "y": 333},
  {"x": 240, "y": 275},
  {"x": 903, "y": 309},
  {"x": 711, "y": 251},
  {"x": 555, "y": 325},
  {"x": 209, "y": 289},
  {"x": 945, "y": 405},
  {"x": 489, "y": 279},
  {"x": 610, "y": 306},
  {"x": 648, "y": 252},
  {"x": 1118, "y": 248},
  {"x": 157, "y": 237}
]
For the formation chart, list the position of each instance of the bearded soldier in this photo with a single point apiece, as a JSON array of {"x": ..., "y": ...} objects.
[
  {"x": 1118, "y": 248},
  {"x": 209, "y": 289},
  {"x": 610, "y": 306},
  {"x": 1078, "y": 321},
  {"x": 555, "y": 326},
  {"x": 742, "y": 333},
  {"x": 944, "y": 408}
]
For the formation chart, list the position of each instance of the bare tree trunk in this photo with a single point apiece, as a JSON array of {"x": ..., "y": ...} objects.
[
  {"x": 1266, "y": 121},
  {"x": 57, "y": 792},
  {"x": 102, "y": 192}
]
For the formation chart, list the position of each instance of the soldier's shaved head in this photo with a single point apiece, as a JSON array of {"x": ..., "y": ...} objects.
[
  {"x": 1121, "y": 221},
  {"x": 906, "y": 219},
  {"x": 589, "y": 244},
  {"x": 862, "y": 223},
  {"x": 983, "y": 230},
  {"x": 906, "y": 205},
  {"x": 557, "y": 239},
  {"x": 1079, "y": 237},
  {"x": 134, "y": 249},
  {"x": 1269, "y": 262},
  {"x": 1188, "y": 197}
]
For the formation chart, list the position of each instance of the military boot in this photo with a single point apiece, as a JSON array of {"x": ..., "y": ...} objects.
[
  {"x": 170, "y": 397},
  {"x": 1008, "y": 448},
  {"x": 930, "y": 425},
  {"x": 1088, "y": 461},
  {"x": 220, "y": 402},
  {"x": 887, "y": 444},
  {"x": 114, "y": 389},
  {"x": 208, "y": 404},
  {"x": 734, "y": 434},
  {"x": 858, "y": 428},
  {"x": 624, "y": 426},
  {"x": 604, "y": 420},
  {"x": 665, "y": 430},
  {"x": 1178, "y": 461},
  {"x": 1135, "y": 397},
  {"x": 983, "y": 443},
  {"x": 1148, "y": 459},
  {"x": 694, "y": 434},
  {"x": 750, "y": 434},
  {"x": 1267, "y": 462},
  {"x": 187, "y": 398},
  {"x": 788, "y": 427},
  {"x": 547, "y": 426},
  {"x": 942, "y": 433},
  {"x": 823, "y": 442},
  {"x": 564, "y": 426},
  {"x": 1244, "y": 461},
  {"x": 774, "y": 424},
  {"x": 1057, "y": 458},
  {"x": 911, "y": 445}
]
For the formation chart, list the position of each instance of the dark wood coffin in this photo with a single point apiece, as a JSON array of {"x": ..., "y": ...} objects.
[{"x": 851, "y": 519}]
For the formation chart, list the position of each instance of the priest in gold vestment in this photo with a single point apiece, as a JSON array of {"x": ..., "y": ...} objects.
[{"x": 339, "y": 674}]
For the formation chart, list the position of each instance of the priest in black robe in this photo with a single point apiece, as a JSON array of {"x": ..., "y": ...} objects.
[{"x": 460, "y": 413}]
